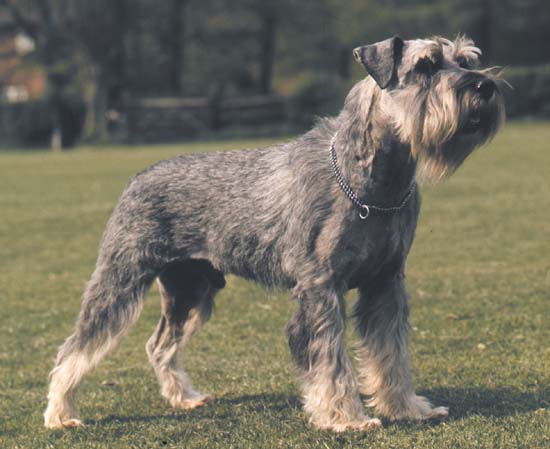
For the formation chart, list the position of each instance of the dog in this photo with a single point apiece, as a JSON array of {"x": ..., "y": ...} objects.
[{"x": 333, "y": 210}]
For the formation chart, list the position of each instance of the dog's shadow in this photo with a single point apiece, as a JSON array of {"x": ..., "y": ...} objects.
[
  {"x": 463, "y": 402},
  {"x": 489, "y": 402},
  {"x": 223, "y": 408}
]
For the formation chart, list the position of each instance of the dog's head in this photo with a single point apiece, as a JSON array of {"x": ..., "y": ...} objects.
[{"x": 439, "y": 101}]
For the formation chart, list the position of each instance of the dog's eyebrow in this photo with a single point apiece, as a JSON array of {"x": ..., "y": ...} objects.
[
  {"x": 434, "y": 53},
  {"x": 433, "y": 50}
]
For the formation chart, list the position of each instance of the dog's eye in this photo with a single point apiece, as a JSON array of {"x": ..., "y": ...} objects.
[
  {"x": 463, "y": 62},
  {"x": 427, "y": 66}
]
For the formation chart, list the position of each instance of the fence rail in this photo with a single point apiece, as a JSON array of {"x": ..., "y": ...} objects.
[{"x": 169, "y": 118}]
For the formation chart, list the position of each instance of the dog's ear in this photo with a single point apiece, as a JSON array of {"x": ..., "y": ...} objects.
[{"x": 380, "y": 60}]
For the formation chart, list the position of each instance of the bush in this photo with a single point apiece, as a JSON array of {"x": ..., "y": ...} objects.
[
  {"x": 31, "y": 123},
  {"x": 530, "y": 92},
  {"x": 316, "y": 96},
  {"x": 72, "y": 113},
  {"x": 28, "y": 124}
]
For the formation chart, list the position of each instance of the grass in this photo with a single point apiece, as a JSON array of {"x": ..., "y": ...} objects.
[{"x": 479, "y": 275}]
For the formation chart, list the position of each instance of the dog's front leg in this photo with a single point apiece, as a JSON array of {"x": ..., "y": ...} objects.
[
  {"x": 381, "y": 314},
  {"x": 316, "y": 339}
]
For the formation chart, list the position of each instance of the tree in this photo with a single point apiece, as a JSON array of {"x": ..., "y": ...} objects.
[
  {"x": 82, "y": 47},
  {"x": 177, "y": 44}
]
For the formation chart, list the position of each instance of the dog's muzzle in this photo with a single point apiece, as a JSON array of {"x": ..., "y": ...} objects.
[{"x": 485, "y": 90}]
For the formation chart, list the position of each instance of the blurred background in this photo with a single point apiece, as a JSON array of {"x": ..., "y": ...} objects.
[{"x": 129, "y": 71}]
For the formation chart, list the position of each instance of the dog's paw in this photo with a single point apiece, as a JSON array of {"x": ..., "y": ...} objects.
[
  {"x": 193, "y": 402},
  {"x": 422, "y": 410},
  {"x": 413, "y": 408},
  {"x": 62, "y": 423},
  {"x": 360, "y": 425},
  {"x": 61, "y": 415},
  {"x": 437, "y": 413},
  {"x": 418, "y": 408},
  {"x": 73, "y": 423},
  {"x": 367, "y": 424}
]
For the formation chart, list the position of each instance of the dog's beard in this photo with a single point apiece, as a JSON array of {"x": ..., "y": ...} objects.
[{"x": 444, "y": 127}]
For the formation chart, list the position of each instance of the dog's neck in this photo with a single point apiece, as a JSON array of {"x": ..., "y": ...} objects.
[{"x": 374, "y": 162}]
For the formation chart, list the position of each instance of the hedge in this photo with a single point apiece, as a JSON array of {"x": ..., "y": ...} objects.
[
  {"x": 529, "y": 91},
  {"x": 31, "y": 124}
]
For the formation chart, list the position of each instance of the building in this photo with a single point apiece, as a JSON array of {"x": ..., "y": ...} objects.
[{"x": 21, "y": 79}]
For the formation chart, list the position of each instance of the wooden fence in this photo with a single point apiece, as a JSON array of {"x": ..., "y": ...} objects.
[{"x": 166, "y": 119}]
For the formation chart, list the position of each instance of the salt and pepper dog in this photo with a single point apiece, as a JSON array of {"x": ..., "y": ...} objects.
[{"x": 333, "y": 210}]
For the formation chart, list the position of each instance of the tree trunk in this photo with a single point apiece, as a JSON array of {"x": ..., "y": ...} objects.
[
  {"x": 214, "y": 103},
  {"x": 95, "y": 100},
  {"x": 485, "y": 30},
  {"x": 89, "y": 93},
  {"x": 177, "y": 41},
  {"x": 100, "y": 105},
  {"x": 267, "y": 52},
  {"x": 119, "y": 83}
]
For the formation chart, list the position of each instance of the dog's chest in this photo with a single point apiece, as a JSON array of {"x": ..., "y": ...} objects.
[{"x": 370, "y": 247}]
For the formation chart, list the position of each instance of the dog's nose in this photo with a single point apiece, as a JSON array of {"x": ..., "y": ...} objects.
[{"x": 485, "y": 88}]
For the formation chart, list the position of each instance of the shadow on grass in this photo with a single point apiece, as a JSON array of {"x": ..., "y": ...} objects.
[
  {"x": 496, "y": 402},
  {"x": 463, "y": 402},
  {"x": 221, "y": 409}
]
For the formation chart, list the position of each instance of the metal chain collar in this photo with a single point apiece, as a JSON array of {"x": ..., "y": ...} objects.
[{"x": 364, "y": 209}]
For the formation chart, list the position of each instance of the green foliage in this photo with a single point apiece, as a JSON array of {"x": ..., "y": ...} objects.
[
  {"x": 509, "y": 31},
  {"x": 71, "y": 110},
  {"x": 529, "y": 93},
  {"x": 114, "y": 51},
  {"x": 478, "y": 277},
  {"x": 29, "y": 124},
  {"x": 316, "y": 95},
  {"x": 360, "y": 22}
]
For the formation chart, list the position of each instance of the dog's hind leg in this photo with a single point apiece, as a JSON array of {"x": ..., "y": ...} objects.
[
  {"x": 316, "y": 339},
  {"x": 381, "y": 314},
  {"x": 111, "y": 304},
  {"x": 187, "y": 293}
]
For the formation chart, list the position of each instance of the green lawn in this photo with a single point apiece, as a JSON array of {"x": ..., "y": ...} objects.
[{"x": 479, "y": 275}]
